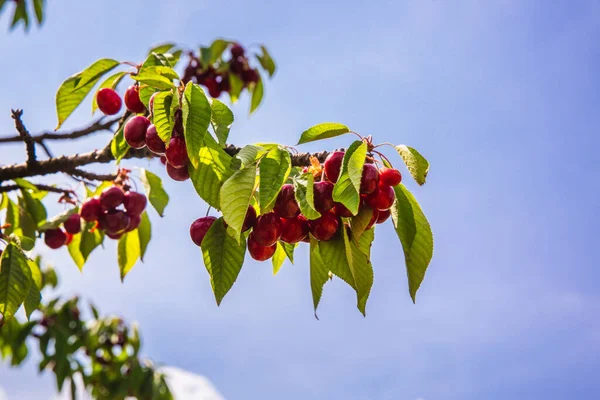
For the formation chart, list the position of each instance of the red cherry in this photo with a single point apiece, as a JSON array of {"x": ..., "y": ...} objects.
[
  {"x": 114, "y": 221},
  {"x": 55, "y": 238},
  {"x": 153, "y": 141},
  {"x": 259, "y": 252},
  {"x": 382, "y": 198},
  {"x": 151, "y": 102},
  {"x": 325, "y": 227},
  {"x": 224, "y": 84},
  {"x": 178, "y": 125},
  {"x": 237, "y": 65},
  {"x": 163, "y": 160},
  {"x": 383, "y": 216},
  {"x": 306, "y": 239},
  {"x": 250, "y": 219},
  {"x": 176, "y": 152},
  {"x": 323, "y": 196},
  {"x": 286, "y": 205},
  {"x": 73, "y": 224},
  {"x": 369, "y": 180},
  {"x": 109, "y": 101},
  {"x": 237, "y": 51},
  {"x": 134, "y": 203},
  {"x": 199, "y": 228},
  {"x": 69, "y": 238},
  {"x": 267, "y": 230},
  {"x": 111, "y": 197},
  {"x": 342, "y": 211},
  {"x": 178, "y": 174},
  {"x": 333, "y": 165},
  {"x": 250, "y": 76},
  {"x": 134, "y": 222},
  {"x": 91, "y": 209},
  {"x": 135, "y": 131},
  {"x": 132, "y": 100},
  {"x": 114, "y": 236},
  {"x": 373, "y": 220},
  {"x": 293, "y": 230},
  {"x": 390, "y": 177}
]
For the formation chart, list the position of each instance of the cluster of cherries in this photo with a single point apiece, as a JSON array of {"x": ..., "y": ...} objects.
[
  {"x": 139, "y": 132},
  {"x": 287, "y": 224},
  {"x": 216, "y": 80},
  {"x": 106, "y": 211}
]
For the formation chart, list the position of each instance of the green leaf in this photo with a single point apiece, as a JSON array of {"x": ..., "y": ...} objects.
[
  {"x": 58, "y": 220},
  {"x": 237, "y": 85},
  {"x": 75, "y": 252},
  {"x": 154, "y": 190},
  {"x": 20, "y": 14},
  {"x": 25, "y": 184},
  {"x": 15, "y": 280},
  {"x": 21, "y": 222},
  {"x": 415, "y": 235},
  {"x": 213, "y": 170},
  {"x": 72, "y": 91},
  {"x": 358, "y": 253},
  {"x": 129, "y": 252},
  {"x": 164, "y": 115},
  {"x": 347, "y": 188},
  {"x": 304, "y": 188},
  {"x": 235, "y": 197},
  {"x": 216, "y": 50},
  {"x": 258, "y": 91},
  {"x": 319, "y": 273},
  {"x": 360, "y": 221},
  {"x": 417, "y": 165},
  {"x": 118, "y": 145},
  {"x": 34, "y": 207},
  {"x": 89, "y": 241},
  {"x": 157, "y": 76},
  {"x": 161, "y": 48},
  {"x": 266, "y": 61},
  {"x": 221, "y": 119},
  {"x": 248, "y": 155},
  {"x": 111, "y": 82},
  {"x": 333, "y": 253},
  {"x": 223, "y": 258},
  {"x": 323, "y": 131},
  {"x": 145, "y": 233},
  {"x": 278, "y": 258},
  {"x": 34, "y": 295},
  {"x": 274, "y": 170},
  {"x": 38, "y": 6},
  {"x": 289, "y": 250},
  {"x": 196, "y": 112}
]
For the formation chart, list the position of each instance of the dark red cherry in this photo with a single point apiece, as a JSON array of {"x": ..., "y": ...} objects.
[
  {"x": 250, "y": 219},
  {"x": 135, "y": 131},
  {"x": 381, "y": 199},
  {"x": 134, "y": 203},
  {"x": 373, "y": 220},
  {"x": 390, "y": 177},
  {"x": 383, "y": 216},
  {"x": 323, "y": 196},
  {"x": 114, "y": 221},
  {"x": 176, "y": 152},
  {"x": 91, "y": 209},
  {"x": 333, "y": 165},
  {"x": 153, "y": 141},
  {"x": 178, "y": 174},
  {"x": 109, "y": 101},
  {"x": 370, "y": 179},
  {"x": 199, "y": 228},
  {"x": 237, "y": 51},
  {"x": 293, "y": 230},
  {"x": 286, "y": 205},
  {"x": 111, "y": 197},
  {"x": 267, "y": 230},
  {"x": 325, "y": 227},
  {"x": 134, "y": 222},
  {"x": 250, "y": 76},
  {"x": 342, "y": 211},
  {"x": 55, "y": 238},
  {"x": 259, "y": 252},
  {"x": 132, "y": 100},
  {"x": 73, "y": 224}
]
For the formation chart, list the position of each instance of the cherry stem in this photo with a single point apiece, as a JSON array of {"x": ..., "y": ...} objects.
[
  {"x": 360, "y": 137},
  {"x": 208, "y": 210},
  {"x": 383, "y": 157},
  {"x": 385, "y": 144}
]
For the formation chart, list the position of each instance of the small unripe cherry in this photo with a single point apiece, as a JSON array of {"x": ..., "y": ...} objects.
[
  {"x": 342, "y": 211},
  {"x": 55, "y": 238},
  {"x": 293, "y": 230},
  {"x": 91, "y": 209},
  {"x": 199, "y": 228},
  {"x": 73, "y": 224},
  {"x": 109, "y": 101},
  {"x": 323, "y": 196},
  {"x": 250, "y": 219},
  {"x": 134, "y": 203},
  {"x": 286, "y": 205},
  {"x": 258, "y": 251},
  {"x": 135, "y": 131},
  {"x": 111, "y": 197},
  {"x": 176, "y": 152},
  {"x": 325, "y": 227},
  {"x": 267, "y": 230},
  {"x": 153, "y": 141},
  {"x": 369, "y": 180},
  {"x": 383, "y": 216},
  {"x": 381, "y": 199},
  {"x": 132, "y": 100},
  {"x": 390, "y": 177},
  {"x": 178, "y": 174}
]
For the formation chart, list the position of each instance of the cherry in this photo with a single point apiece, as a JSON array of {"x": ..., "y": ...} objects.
[
  {"x": 91, "y": 209},
  {"x": 294, "y": 230},
  {"x": 215, "y": 90},
  {"x": 333, "y": 165},
  {"x": 153, "y": 141},
  {"x": 250, "y": 76},
  {"x": 325, "y": 227},
  {"x": 134, "y": 203},
  {"x": 163, "y": 160},
  {"x": 55, "y": 238},
  {"x": 135, "y": 131},
  {"x": 114, "y": 221},
  {"x": 199, "y": 228},
  {"x": 383, "y": 216},
  {"x": 382, "y": 198},
  {"x": 237, "y": 65},
  {"x": 73, "y": 224},
  {"x": 132, "y": 100},
  {"x": 306, "y": 239},
  {"x": 237, "y": 51},
  {"x": 286, "y": 205},
  {"x": 109, "y": 101},
  {"x": 267, "y": 230},
  {"x": 114, "y": 236},
  {"x": 178, "y": 174},
  {"x": 259, "y": 252},
  {"x": 342, "y": 211},
  {"x": 111, "y": 197},
  {"x": 176, "y": 152},
  {"x": 178, "y": 124},
  {"x": 250, "y": 219},
  {"x": 151, "y": 103},
  {"x": 369, "y": 180},
  {"x": 69, "y": 238},
  {"x": 134, "y": 222},
  {"x": 224, "y": 84},
  {"x": 390, "y": 177},
  {"x": 323, "y": 196},
  {"x": 373, "y": 220}
]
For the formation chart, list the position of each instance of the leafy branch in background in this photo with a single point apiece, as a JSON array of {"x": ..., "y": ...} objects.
[{"x": 24, "y": 11}]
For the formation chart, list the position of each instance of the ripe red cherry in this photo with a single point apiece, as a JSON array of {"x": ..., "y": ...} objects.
[
  {"x": 286, "y": 205},
  {"x": 250, "y": 219},
  {"x": 333, "y": 165},
  {"x": 267, "y": 230},
  {"x": 390, "y": 177},
  {"x": 237, "y": 65},
  {"x": 250, "y": 76},
  {"x": 153, "y": 141},
  {"x": 323, "y": 196},
  {"x": 73, "y": 224},
  {"x": 91, "y": 209},
  {"x": 237, "y": 51},
  {"x": 114, "y": 221},
  {"x": 134, "y": 203},
  {"x": 325, "y": 227},
  {"x": 114, "y": 236},
  {"x": 383, "y": 216},
  {"x": 199, "y": 228},
  {"x": 111, "y": 197},
  {"x": 55, "y": 238},
  {"x": 132, "y": 100},
  {"x": 178, "y": 174},
  {"x": 163, "y": 160},
  {"x": 293, "y": 230},
  {"x": 259, "y": 252},
  {"x": 109, "y": 101},
  {"x": 151, "y": 102},
  {"x": 69, "y": 238},
  {"x": 369, "y": 180},
  {"x": 135, "y": 131},
  {"x": 176, "y": 153},
  {"x": 342, "y": 211},
  {"x": 134, "y": 222},
  {"x": 381, "y": 199},
  {"x": 373, "y": 220}
]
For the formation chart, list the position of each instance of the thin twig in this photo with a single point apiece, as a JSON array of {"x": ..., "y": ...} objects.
[
  {"x": 10, "y": 188},
  {"x": 25, "y": 136}
]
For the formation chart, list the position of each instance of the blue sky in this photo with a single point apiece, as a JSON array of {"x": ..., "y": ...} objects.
[{"x": 501, "y": 96}]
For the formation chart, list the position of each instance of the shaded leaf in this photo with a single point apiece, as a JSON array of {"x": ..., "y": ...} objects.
[
  {"x": 118, "y": 145},
  {"x": 319, "y": 273},
  {"x": 235, "y": 197},
  {"x": 221, "y": 119},
  {"x": 266, "y": 61},
  {"x": 154, "y": 190},
  {"x": 196, "y": 112},
  {"x": 347, "y": 187},
  {"x": 157, "y": 76},
  {"x": 164, "y": 115},
  {"x": 34, "y": 295},
  {"x": 417, "y": 165},
  {"x": 213, "y": 170},
  {"x": 58, "y": 220},
  {"x": 324, "y": 130},
  {"x": 304, "y": 190},
  {"x": 360, "y": 221},
  {"x": 358, "y": 252},
  {"x": 274, "y": 170},
  {"x": 15, "y": 279}
]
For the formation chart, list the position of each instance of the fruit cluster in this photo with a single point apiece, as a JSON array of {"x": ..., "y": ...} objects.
[
  {"x": 106, "y": 211},
  {"x": 217, "y": 79},
  {"x": 286, "y": 223}
]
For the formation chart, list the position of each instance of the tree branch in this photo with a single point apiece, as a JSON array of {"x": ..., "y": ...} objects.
[
  {"x": 10, "y": 188},
  {"x": 24, "y": 136}
]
